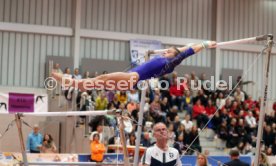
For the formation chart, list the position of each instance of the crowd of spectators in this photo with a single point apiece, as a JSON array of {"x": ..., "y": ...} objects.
[{"x": 186, "y": 108}]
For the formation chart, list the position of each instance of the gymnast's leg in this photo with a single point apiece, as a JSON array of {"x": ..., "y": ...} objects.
[{"x": 116, "y": 80}]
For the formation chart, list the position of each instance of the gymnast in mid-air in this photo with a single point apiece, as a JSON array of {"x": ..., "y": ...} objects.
[{"x": 153, "y": 68}]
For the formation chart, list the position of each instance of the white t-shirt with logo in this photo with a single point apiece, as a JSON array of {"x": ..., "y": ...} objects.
[{"x": 154, "y": 156}]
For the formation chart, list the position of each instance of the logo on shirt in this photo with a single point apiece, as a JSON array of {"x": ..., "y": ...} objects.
[{"x": 171, "y": 155}]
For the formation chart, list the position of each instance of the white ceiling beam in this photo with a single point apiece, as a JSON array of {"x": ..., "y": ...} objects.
[
  {"x": 86, "y": 33},
  {"x": 36, "y": 29}
]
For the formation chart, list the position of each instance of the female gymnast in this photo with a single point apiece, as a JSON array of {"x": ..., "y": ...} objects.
[{"x": 153, "y": 68}]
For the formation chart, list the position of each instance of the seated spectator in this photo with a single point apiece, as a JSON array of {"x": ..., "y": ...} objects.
[
  {"x": 222, "y": 131},
  {"x": 68, "y": 90},
  {"x": 172, "y": 114},
  {"x": 233, "y": 135},
  {"x": 251, "y": 124},
  {"x": 165, "y": 106},
  {"x": 210, "y": 108},
  {"x": 97, "y": 149},
  {"x": 250, "y": 102},
  {"x": 268, "y": 136},
  {"x": 57, "y": 69},
  {"x": 176, "y": 92},
  {"x": 190, "y": 137},
  {"x": 115, "y": 102},
  {"x": 155, "y": 110},
  {"x": 48, "y": 145},
  {"x": 101, "y": 102},
  {"x": 187, "y": 102},
  {"x": 239, "y": 94},
  {"x": 146, "y": 140},
  {"x": 132, "y": 105},
  {"x": 180, "y": 130},
  {"x": 132, "y": 139},
  {"x": 187, "y": 123},
  {"x": 202, "y": 97},
  {"x": 122, "y": 97},
  {"x": 86, "y": 74},
  {"x": 220, "y": 101},
  {"x": 77, "y": 75},
  {"x": 171, "y": 135},
  {"x": 133, "y": 95},
  {"x": 199, "y": 113},
  {"x": 179, "y": 144},
  {"x": 110, "y": 95}
]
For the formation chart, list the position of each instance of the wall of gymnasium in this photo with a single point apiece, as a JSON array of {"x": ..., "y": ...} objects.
[
  {"x": 23, "y": 54},
  {"x": 170, "y": 18},
  {"x": 243, "y": 19}
]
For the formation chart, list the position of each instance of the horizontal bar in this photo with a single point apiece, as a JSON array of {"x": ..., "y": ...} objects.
[
  {"x": 69, "y": 113},
  {"x": 246, "y": 40},
  {"x": 72, "y": 163}
]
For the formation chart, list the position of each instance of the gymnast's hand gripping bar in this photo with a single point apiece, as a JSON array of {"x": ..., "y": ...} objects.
[{"x": 239, "y": 41}]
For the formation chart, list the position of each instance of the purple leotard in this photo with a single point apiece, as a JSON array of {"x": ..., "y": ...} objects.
[{"x": 160, "y": 65}]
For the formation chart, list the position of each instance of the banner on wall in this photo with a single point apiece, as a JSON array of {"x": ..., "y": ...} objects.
[
  {"x": 23, "y": 102},
  {"x": 138, "y": 47}
]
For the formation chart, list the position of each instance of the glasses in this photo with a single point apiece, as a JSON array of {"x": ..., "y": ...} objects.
[{"x": 162, "y": 129}]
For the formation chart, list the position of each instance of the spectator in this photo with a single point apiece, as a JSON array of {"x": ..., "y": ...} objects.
[
  {"x": 179, "y": 144},
  {"x": 187, "y": 123},
  {"x": 190, "y": 137},
  {"x": 172, "y": 114},
  {"x": 97, "y": 149},
  {"x": 99, "y": 131},
  {"x": 68, "y": 90},
  {"x": 155, "y": 110},
  {"x": 199, "y": 113},
  {"x": 34, "y": 140},
  {"x": 250, "y": 122},
  {"x": 86, "y": 74},
  {"x": 263, "y": 161},
  {"x": 165, "y": 106},
  {"x": 122, "y": 97},
  {"x": 57, "y": 69},
  {"x": 133, "y": 95},
  {"x": 235, "y": 161},
  {"x": 146, "y": 140},
  {"x": 101, "y": 102},
  {"x": 132, "y": 139},
  {"x": 233, "y": 135},
  {"x": 239, "y": 94},
  {"x": 210, "y": 108},
  {"x": 176, "y": 92},
  {"x": 77, "y": 75},
  {"x": 202, "y": 97},
  {"x": 187, "y": 102},
  {"x": 115, "y": 102},
  {"x": 171, "y": 135},
  {"x": 48, "y": 145},
  {"x": 201, "y": 160},
  {"x": 131, "y": 106},
  {"x": 220, "y": 101}
]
